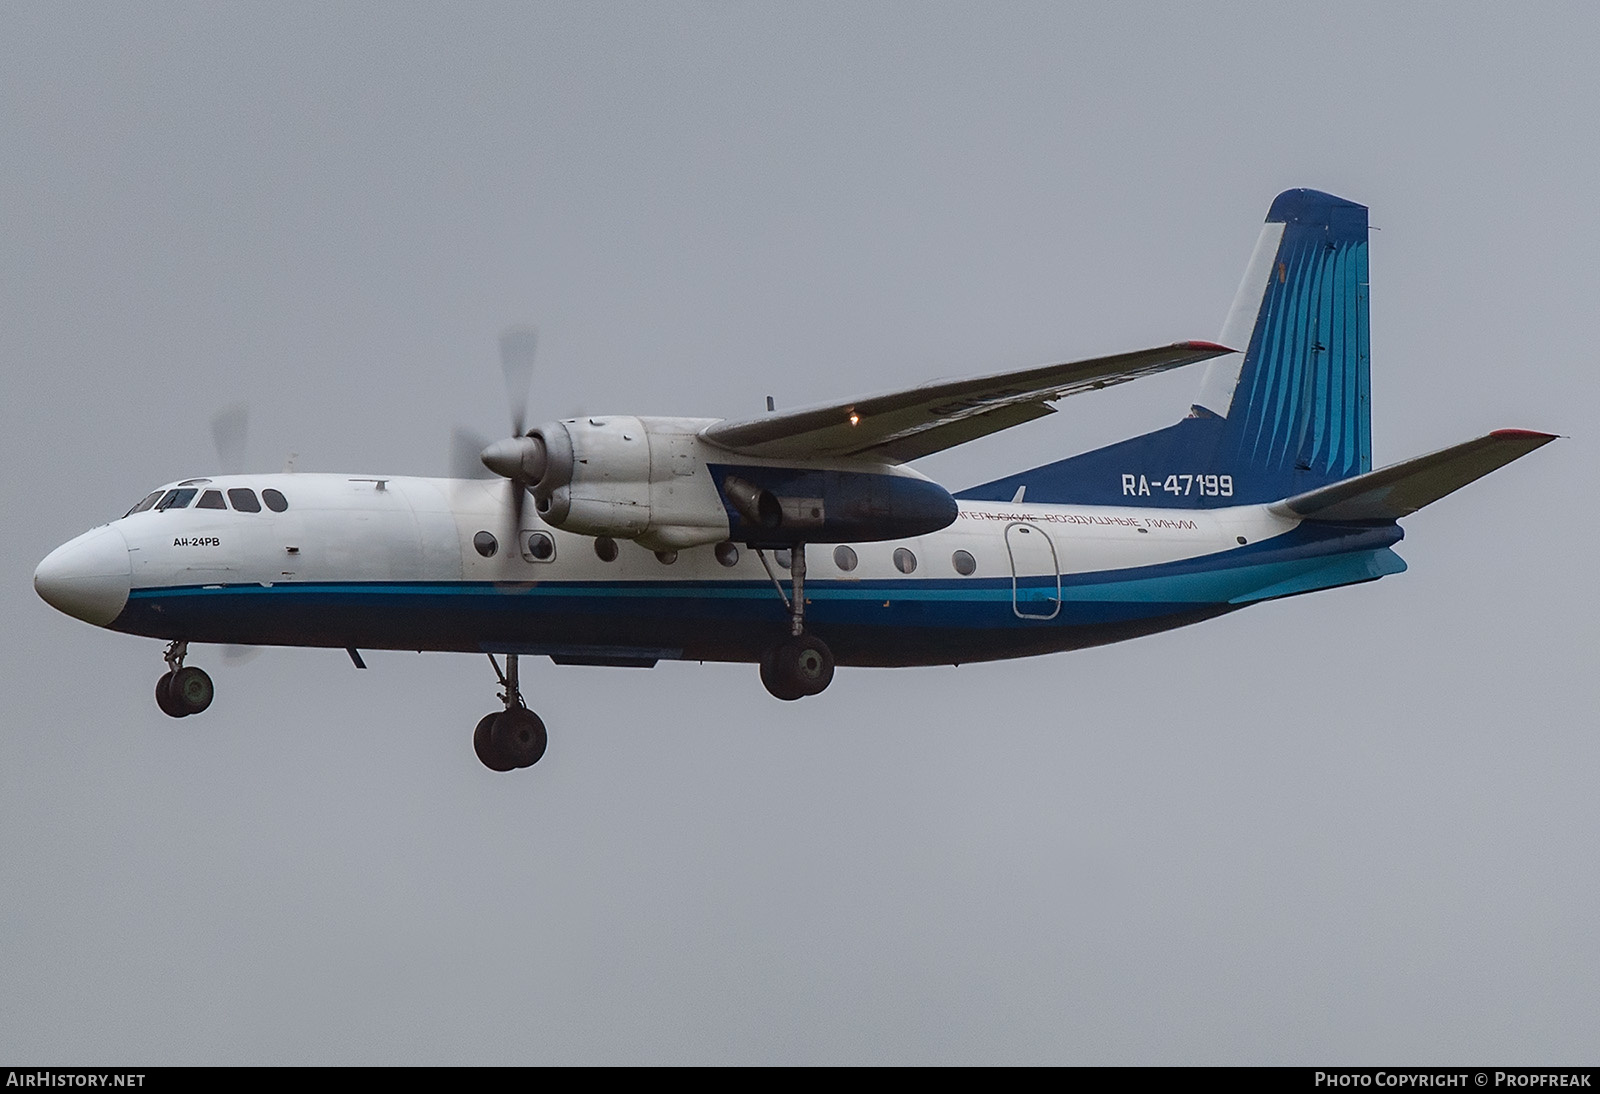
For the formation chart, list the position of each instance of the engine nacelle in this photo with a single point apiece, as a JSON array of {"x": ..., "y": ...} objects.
[
  {"x": 649, "y": 480},
  {"x": 625, "y": 477},
  {"x": 775, "y": 506}
]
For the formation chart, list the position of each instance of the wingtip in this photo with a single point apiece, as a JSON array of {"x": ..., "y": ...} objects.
[
  {"x": 1210, "y": 347},
  {"x": 1525, "y": 435}
]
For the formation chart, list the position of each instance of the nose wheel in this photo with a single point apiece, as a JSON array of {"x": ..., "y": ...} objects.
[
  {"x": 803, "y": 665},
  {"x": 514, "y": 737},
  {"x": 183, "y": 690}
]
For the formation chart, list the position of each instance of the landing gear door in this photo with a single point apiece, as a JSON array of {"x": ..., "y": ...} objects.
[{"x": 1035, "y": 572}]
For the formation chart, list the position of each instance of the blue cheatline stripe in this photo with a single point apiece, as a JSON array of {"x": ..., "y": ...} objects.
[
  {"x": 637, "y": 623},
  {"x": 1230, "y": 584}
]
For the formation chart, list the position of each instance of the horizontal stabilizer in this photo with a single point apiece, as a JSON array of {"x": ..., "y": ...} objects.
[
  {"x": 1401, "y": 489},
  {"x": 903, "y": 425}
]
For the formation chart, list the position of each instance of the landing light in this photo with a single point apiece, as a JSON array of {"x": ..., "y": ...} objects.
[{"x": 855, "y": 419}]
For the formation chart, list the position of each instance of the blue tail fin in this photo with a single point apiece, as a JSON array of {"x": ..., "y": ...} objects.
[{"x": 1293, "y": 414}]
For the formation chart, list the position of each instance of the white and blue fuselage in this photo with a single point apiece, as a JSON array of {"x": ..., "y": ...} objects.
[
  {"x": 364, "y": 562},
  {"x": 626, "y": 541}
]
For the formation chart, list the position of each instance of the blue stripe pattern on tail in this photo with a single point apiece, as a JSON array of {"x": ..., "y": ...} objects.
[
  {"x": 1305, "y": 385},
  {"x": 1300, "y": 412}
]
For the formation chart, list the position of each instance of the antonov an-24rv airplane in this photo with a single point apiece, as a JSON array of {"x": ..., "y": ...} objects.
[{"x": 802, "y": 539}]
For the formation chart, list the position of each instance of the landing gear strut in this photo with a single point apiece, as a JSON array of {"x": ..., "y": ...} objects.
[
  {"x": 182, "y": 691},
  {"x": 512, "y": 738},
  {"x": 803, "y": 665}
]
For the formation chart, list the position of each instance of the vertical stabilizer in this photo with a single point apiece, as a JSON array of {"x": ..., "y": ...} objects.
[
  {"x": 1292, "y": 413},
  {"x": 1303, "y": 393}
]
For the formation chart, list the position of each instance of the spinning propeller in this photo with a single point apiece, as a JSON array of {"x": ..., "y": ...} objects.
[
  {"x": 518, "y": 458},
  {"x": 230, "y": 432},
  {"x": 230, "y": 429}
]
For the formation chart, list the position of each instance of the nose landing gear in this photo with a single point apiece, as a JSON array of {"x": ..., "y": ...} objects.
[
  {"x": 803, "y": 665},
  {"x": 512, "y": 738},
  {"x": 182, "y": 690}
]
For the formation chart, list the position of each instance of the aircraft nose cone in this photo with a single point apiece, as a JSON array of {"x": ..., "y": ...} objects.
[{"x": 88, "y": 577}]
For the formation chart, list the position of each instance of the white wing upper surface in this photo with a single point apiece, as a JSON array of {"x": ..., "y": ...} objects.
[{"x": 903, "y": 425}]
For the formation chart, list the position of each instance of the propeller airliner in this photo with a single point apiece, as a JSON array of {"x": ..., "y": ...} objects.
[{"x": 803, "y": 539}]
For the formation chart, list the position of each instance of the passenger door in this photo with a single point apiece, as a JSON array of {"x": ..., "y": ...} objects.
[{"x": 1035, "y": 572}]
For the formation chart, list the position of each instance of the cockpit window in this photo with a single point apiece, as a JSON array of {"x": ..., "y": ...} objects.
[
  {"x": 275, "y": 501},
  {"x": 176, "y": 499},
  {"x": 244, "y": 500},
  {"x": 211, "y": 499},
  {"x": 145, "y": 504}
]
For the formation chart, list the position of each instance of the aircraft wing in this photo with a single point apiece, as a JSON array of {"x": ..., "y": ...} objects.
[
  {"x": 903, "y": 425},
  {"x": 1401, "y": 489}
]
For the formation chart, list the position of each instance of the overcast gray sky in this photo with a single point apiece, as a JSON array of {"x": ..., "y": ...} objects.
[{"x": 1357, "y": 826}]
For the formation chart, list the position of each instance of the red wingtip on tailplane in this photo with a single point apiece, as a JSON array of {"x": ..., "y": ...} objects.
[{"x": 1525, "y": 434}]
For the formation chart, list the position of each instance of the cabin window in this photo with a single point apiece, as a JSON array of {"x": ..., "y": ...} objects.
[
  {"x": 540, "y": 547},
  {"x": 484, "y": 542},
  {"x": 783, "y": 557},
  {"x": 666, "y": 558},
  {"x": 727, "y": 553},
  {"x": 145, "y": 504},
  {"x": 606, "y": 548},
  {"x": 904, "y": 560},
  {"x": 176, "y": 499},
  {"x": 275, "y": 501},
  {"x": 844, "y": 558},
  {"x": 964, "y": 563},
  {"x": 244, "y": 500},
  {"x": 211, "y": 499}
]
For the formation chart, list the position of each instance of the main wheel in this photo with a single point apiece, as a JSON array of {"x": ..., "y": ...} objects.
[
  {"x": 778, "y": 684},
  {"x": 483, "y": 744},
  {"x": 518, "y": 737},
  {"x": 190, "y": 690},
  {"x": 801, "y": 666},
  {"x": 164, "y": 697},
  {"x": 810, "y": 663}
]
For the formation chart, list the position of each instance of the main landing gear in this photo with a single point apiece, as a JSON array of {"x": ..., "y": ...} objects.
[
  {"x": 512, "y": 738},
  {"x": 182, "y": 691},
  {"x": 803, "y": 665}
]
